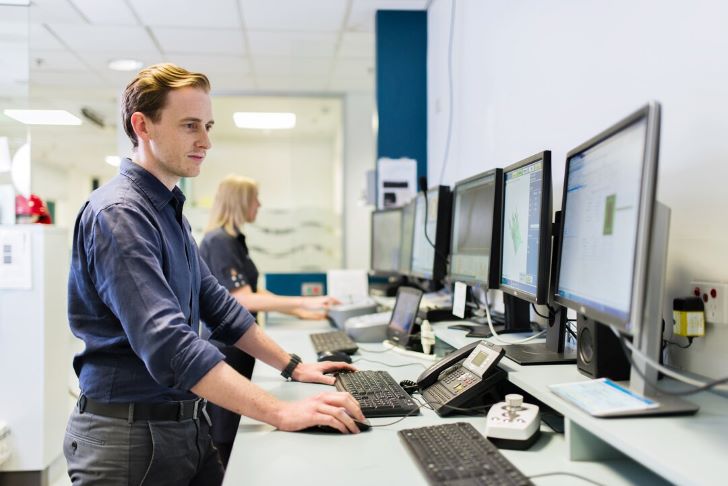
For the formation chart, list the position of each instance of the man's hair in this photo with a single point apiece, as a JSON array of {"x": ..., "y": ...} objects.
[
  {"x": 234, "y": 196},
  {"x": 147, "y": 92}
]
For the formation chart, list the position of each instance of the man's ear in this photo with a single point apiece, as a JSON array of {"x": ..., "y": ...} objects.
[{"x": 141, "y": 125}]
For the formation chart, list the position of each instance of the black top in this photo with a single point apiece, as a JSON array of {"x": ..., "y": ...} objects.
[
  {"x": 137, "y": 290},
  {"x": 229, "y": 260}
]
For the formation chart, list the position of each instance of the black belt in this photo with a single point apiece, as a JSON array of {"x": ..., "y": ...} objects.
[{"x": 183, "y": 410}]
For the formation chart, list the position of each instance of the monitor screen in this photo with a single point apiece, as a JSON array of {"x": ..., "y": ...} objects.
[
  {"x": 404, "y": 314},
  {"x": 474, "y": 216},
  {"x": 603, "y": 186},
  {"x": 408, "y": 227},
  {"x": 386, "y": 232},
  {"x": 423, "y": 253},
  {"x": 526, "y": 228}
]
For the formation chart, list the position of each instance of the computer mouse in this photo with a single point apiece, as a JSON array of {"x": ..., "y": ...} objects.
[
  {"x": 334, "y": 356},
  {"x": 363, "y": 427}
]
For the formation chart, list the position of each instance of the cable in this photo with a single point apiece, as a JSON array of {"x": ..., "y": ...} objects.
[
  {"x": 446, "y": 155},
  {"x": 390, "y": 365},
  {"x": 678, "y": 345},
  {"x": 386, "y": 350},
  {"x": 699, "y": 385},
  {"x": 564, "y": 473},
  {"x": 500, "y": 340},
  {"x": 441, "y": 255},
  {"x": 429, "y": 407},
  {"x": 548, "y": 318}
]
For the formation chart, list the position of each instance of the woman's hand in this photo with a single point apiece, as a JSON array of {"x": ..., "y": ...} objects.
[
  {"x": 307, "y": 314},
  {"x": 323, "y": 302}
]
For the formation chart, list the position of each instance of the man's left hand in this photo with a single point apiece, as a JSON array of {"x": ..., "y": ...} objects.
[{"x": 314, "y": 372}]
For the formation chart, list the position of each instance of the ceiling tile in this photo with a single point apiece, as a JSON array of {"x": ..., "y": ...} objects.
[
  {"x": 200, "y": 41},
  {"x": 66, "y": 78},
  {"x": 53, "y": 60},
  {"x": 44, "y": 11},
  {"x": 208, "y": 64},
  {"x": 218, "y": 14},
  {"x": 357, "y": 44},
  {"x": 354, "y": 68},
  {"x": 292, "y": 66},
  {"x": 291, "y": 84},
  {"x": 230, "y": 83},
  {"x": 113, "y": 39},
  {"x": 110, "y": 12},
  {"x": 351, "y": 84},
  {"x": 295, "y": 15},
  {"x": 291, "y": 44},
  {"x": 40, "y": 38},
  {"x": 361, "y": 17}
]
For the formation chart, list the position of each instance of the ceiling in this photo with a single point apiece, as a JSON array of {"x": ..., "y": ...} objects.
[{"x": 244, "y": 46}]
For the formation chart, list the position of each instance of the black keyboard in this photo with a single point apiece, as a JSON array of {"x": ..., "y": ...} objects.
[
  {"x": 377, "y": 393},
  {"x": 333, "y": 341},
  {"x": 457, "y": 454}
]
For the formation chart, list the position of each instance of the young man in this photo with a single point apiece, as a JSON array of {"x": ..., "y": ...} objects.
[{"x": 137, "y": 292}]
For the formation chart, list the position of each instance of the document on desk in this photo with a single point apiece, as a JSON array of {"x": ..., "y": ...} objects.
[
  {"x": 348, "y": 286},
  {"x": 602, "y": 397}
]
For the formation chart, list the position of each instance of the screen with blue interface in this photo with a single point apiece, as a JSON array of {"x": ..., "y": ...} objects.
[
  {"x": 408, "y": 227},
  {"x": 423, "y": 253},
  {"x": 472, "y": 230},
  {"x": 601, "y": 221},
  {"x": 522, "y": 201},
  {"x": 386, "y": 228}
]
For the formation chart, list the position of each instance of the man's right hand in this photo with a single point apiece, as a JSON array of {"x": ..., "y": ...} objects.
[{"x": 334, "y": 409}]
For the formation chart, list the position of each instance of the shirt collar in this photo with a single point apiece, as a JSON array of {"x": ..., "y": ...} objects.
[{"x": 152, "y": 187}]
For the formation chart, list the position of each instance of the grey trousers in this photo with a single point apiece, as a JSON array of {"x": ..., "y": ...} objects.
[{"x": 110, "y": 451}]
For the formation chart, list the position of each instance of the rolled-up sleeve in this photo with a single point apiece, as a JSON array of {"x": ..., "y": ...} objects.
[
  {"x": 226, "y": 318},
  {"x": 125, "y": 265}
]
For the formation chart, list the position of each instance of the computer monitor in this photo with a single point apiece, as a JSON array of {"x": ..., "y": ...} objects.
[
  {"x": 613, "y": 240},
  {"x": 475, "y": 242},
  {"x": 431, "y": 240},
  {"x": 404, "y": 315},
  {"x": 526, "y": 229},
  {"x": 385, "y": 246},
  {"x": 408, "y": 229}
]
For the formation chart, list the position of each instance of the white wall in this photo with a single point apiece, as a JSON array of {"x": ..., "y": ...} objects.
[{"x": 532, "y": 75}]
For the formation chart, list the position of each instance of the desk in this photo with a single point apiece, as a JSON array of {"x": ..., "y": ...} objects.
[{"x": 263, "y": 455}]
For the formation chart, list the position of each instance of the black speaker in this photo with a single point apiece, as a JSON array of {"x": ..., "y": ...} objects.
[{"x": 598, "y": 352}]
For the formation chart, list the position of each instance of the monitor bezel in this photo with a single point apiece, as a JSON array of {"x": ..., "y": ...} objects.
[
  {"x": 495, "y": 240},
  {"x": 394, "y": 334},
  {"x": 375, "y": 271},
  {"x": 544, "y": 247},
  {"x": 647, "y": 198}
]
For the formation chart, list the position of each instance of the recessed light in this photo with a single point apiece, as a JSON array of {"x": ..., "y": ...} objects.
[
  {"x": 113, "y": 160},
  {"x": 43, "y": 117},
  {"x": 264, "y": 121},
  {"x": 125, "y": 64}
]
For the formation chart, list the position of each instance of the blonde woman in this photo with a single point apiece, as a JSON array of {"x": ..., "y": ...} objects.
[{"x": 226, "y": 254}]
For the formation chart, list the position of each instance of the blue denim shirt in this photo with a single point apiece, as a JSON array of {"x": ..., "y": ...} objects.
[{"x": 137, "y": 291}]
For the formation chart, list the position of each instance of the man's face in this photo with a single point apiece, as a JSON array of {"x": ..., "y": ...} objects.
[{"x": 179, "y": 140}]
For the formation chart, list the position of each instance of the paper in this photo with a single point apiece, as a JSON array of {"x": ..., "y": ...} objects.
[
  {"x": 15, "y": 260},
  {"x": 348, "y": 286},
  {"x": 458, "y": 300},
  {"x": 602, "y": 397}
]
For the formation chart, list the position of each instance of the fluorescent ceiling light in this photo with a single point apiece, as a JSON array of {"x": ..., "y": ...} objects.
[
  {"x": 43, "y": 117},
  {"x": 125, "y": 64},
  {"x": 113, "y": 160},
  {"x": 264, "y": 121},
  {"x": 24, "y": 3}
]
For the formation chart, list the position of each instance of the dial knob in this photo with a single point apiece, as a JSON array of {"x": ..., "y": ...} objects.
[{"x": 514, "y": 400}]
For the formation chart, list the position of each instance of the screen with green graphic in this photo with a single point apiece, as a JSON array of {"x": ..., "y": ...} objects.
[{"x": 522, "y": 205}]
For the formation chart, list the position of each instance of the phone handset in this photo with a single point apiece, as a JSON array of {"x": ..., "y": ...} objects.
[{"x": 432, "y": 374}]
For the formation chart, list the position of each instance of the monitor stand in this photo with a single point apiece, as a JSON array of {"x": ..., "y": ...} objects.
[
  {"x": 552, "y": 351},
  {"x": 648, "y": 338}
]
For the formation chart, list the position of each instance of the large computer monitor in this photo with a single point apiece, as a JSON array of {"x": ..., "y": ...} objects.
[
  {"x": 431, "y": 240},
  {"x": 614, "y": 236},
  {"x": 526, "y": 229},
  {"x": 408, "y": 229},
  {"x": 475, "y": 243},
  {"x": 385, "y": 245}
]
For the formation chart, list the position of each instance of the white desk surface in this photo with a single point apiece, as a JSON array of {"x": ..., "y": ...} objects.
[{"x": 263, "y": 455}]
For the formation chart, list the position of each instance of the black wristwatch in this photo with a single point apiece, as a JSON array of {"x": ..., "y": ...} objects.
[{"x": 287, "y": 372}]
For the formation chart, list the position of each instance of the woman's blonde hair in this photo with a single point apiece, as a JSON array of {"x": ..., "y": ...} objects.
[{"x": 235, "y": 195}]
